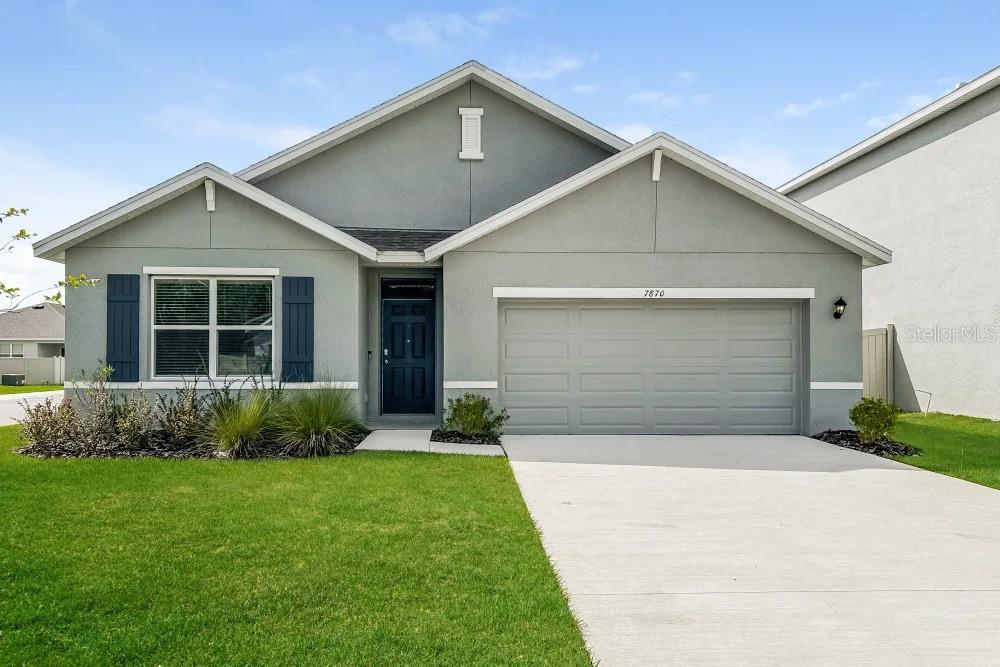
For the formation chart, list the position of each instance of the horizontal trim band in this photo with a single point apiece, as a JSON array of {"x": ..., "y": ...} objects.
[
  {"x": 204, "y": 384},
  {"x": 654, "y": 293},
  {"x": 836, "y": 385},
  {"x": 207, "y": 271},
  {"x": 470, "y": 384}
]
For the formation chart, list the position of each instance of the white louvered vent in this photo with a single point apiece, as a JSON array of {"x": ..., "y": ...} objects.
[{"x": 472, "y": 134}]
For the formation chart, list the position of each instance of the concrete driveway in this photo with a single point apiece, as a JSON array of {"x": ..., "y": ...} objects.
[
  {"x": 764, "y": 550},
  {"x": 10, "y": 404}
]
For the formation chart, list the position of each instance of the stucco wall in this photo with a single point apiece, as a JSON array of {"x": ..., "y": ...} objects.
[
  {"x": 933, "y": 196},
  {"x": 238, "y": 234},
  {"x": 685, "y": 231},
  {"x": 406, "y": 173}
]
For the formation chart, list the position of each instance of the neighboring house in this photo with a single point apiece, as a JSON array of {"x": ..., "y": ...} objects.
[
  {"x": 929, "y": 186},
  {"x": 32, "y": 341},
  {"x": 470, "y": 235}
]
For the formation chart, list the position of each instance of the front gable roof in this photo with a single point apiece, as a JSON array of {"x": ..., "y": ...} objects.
[
  {"x": 470, "y": 71},
  {"x": 53, "y": 247},
  {"x": 962, "y": 94},
  {"x": 871, "y": 252}
]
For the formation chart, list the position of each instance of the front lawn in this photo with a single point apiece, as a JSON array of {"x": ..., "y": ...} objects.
[
  {"x": 27, "y": 388},
  {"x": 963, "y": 447},
  {"x": 373, "y": 558}
]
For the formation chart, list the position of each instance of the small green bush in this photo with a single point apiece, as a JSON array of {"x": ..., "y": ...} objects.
[
  {"x": 51, "y": 424},
  {"x": 317, "y": 423},
  {"x": 180, "y": 418},
  {"x": 237, "y": 423},
  {"x": 472, "y": 414},
  {"x": 873, "y": 418}
]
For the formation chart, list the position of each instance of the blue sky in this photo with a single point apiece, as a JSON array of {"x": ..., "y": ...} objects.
[{"x": 103, "y": 99}]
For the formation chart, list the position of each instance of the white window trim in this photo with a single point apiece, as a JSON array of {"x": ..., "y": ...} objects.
[
  {"x": 212, "y": 327},
  {"x": 7, "y": 351},
  {"x": 208, "y": 271},
  {"x": 477, "y": 153},
  {"x": 654, "y": 293}
]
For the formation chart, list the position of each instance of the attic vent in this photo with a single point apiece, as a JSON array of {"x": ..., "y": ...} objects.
[{"x": 472, "y": 134}]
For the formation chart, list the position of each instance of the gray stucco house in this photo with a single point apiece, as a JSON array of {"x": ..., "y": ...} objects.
[
  {"x": 470, "y": 235},
  {"x": 929, "y": 186}
]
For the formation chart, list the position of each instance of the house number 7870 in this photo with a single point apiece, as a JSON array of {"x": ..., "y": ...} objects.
[{"x": 653, "y": 293}]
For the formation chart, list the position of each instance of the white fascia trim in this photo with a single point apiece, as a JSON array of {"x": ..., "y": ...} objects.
[
  {"x": 837, "y": 385},
  {"x": 709, "y": 167},
  {"x": 205, "y": 384},
  {"x": 52, "y": 246},
  {"x": 207, "y": 271},
  {"x": 419, "y": 95},
  {"x": 399, "y": 257},
  {"x": 470, "y": 384},
  {"x": 943, "y": 105},
  {"x": 654, "y": 293}
]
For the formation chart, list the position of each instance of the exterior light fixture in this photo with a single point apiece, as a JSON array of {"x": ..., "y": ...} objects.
[{"x": 839, "y": 306}]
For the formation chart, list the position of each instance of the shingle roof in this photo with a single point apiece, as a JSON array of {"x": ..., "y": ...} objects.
[
  {"x": 41, "y": 322},
  {"x": 399, "y": 239}
]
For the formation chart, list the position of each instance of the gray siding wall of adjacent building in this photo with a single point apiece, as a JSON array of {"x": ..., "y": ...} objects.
[
  {"x": 933, "y": 196},
  {"x": 238, "y": 234},
  {"x": 405, "y": 173},
  {"x": 685, "y": 231}
]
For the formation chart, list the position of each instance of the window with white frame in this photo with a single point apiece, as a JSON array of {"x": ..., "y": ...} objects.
[
  {"x": 215, "y": 327},
  {"x": 12, "y": 350}
]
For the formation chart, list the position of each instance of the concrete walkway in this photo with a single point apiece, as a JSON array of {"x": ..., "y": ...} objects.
[
  {"x": 764, "y": 551},
  {"x": 10, "y": 404},
  {"x": 406, "y": 440}
]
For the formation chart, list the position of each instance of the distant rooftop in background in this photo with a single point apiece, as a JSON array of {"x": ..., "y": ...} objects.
[{"x": 41, "y": 322}]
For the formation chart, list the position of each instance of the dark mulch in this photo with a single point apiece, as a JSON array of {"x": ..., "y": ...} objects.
[
  {"x": 61, "y": 451},
  {"x": 441, "y": 435},
  {"x": 848, "y": 438}
]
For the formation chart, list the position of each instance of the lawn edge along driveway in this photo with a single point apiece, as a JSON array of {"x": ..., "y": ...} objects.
[{"x": 373, "y": 558}]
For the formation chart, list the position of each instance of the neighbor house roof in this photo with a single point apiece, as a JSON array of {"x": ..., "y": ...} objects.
[
  {"x": 871, "y": 252},
  {"x": 52, "y": 247},
  {"x": 962, "y": 94},
  {"x": 45, "y": 322},
  {"x": 470, "y": 71}
]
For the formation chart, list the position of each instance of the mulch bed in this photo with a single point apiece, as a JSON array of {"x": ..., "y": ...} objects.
[
  {"x": 849, "y": 439},
  {"x": 457, "y": 437}
]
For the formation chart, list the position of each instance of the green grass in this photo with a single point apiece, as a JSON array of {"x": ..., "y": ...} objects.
[
  {"x": 369, "y": 559},
  {"x": 24, "y": 389},
  {"x": 964, "y": 447}
]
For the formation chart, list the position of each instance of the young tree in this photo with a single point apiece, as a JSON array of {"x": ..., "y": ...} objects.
[{"x": 11, "y": 293}]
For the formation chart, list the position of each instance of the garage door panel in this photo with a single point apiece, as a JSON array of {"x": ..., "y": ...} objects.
[{"x": 657, "y": 367}]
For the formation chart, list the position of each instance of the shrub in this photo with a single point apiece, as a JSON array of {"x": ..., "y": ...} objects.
[
  {"x": 873, "y": 418},
  {"x": 180, "y": 419},
  {"x": 236, "y": 424},
  {"x": 472, "y": 414},
  {"x": 52, "y": 426},
  {"x": 317, "y": 423},
  {"x": 97, "y": 413},
  {"x": 133, "y": 420}
]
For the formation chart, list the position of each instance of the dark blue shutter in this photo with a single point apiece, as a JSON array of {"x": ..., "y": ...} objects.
[
  {"x": 297, "y": 329},
  {"x": 123, "y": 327}
]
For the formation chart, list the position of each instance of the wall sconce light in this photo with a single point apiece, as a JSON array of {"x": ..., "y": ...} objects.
[{"x": 839, "y": 306}]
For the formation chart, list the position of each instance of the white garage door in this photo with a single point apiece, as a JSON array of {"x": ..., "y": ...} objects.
[{"x": 650, "y": 366}]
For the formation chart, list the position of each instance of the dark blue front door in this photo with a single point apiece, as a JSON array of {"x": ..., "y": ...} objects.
[{"x": 408, "y": 356}]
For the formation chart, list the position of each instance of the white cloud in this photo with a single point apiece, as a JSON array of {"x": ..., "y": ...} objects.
[
  {"x": 585, "y": 89},
  {"x": 799, "y": 109},
  {"x": 768, "y": 164},
  {"x": 534, "y": 68},
  {"x": 56, "y": 196},
  {"x": 435, "y": 32},
  {"x": 655, "y": 98},
  {"x": 687, "y": 76},
  {"x": 193, "y": 123},
  {"x": 910, "y": 104},
  {"x": 632, "y": 132},
  {"x": 501, "y": 15},
  {"x": 307, "y": 79}
]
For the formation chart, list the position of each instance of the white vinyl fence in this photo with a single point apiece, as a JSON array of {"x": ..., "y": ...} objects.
[{"x": 37, "y": 370}]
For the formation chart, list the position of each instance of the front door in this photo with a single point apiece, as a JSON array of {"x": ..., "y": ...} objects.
[{"x": 408, "y": 356}]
